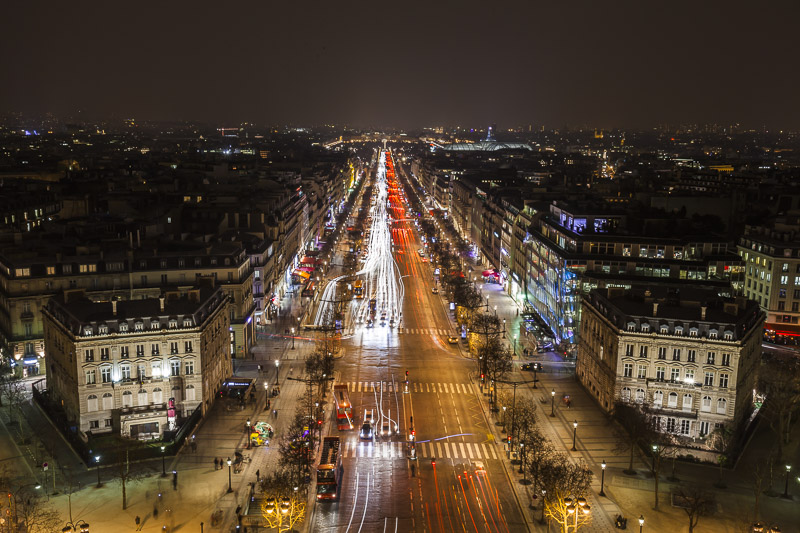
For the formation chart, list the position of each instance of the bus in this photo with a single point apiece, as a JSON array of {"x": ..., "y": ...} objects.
[
  {"x": 330, "y": 470},
  {"x": 308, "y": 291},
  {"x": 344, "y": 409},
  {"x": 358, "y": 288}
]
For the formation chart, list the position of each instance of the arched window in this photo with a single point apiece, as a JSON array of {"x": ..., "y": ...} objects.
[
  {"x": 103, "y": 330},
  {"x": 664, "y": 329},
  {"x": 728, "y": 335},
  {"x": 658, "y": 398},
  {"x": 672, "y": 400},
  {"x": 176, "y": 393},
  {"x": 87, "y": 331},
  {"x": 645, "y": 328},
  {"x": 173, "y": 323},
  {"x": 154, "y": 323},
  {"x": 157, "y": 396},
  {"x": 127, "y": 399},
  {"x": 190, "y": 393},
  {"x": 678, "y": 330},
  {"x": 187, "y": 322},
  {"x": 706, "y": 405},
  {"x": 108, "y": 401},
  {"x": 631, "y": 326},
  {"x": 722, "y": 406},
  {"x": 639, "y": 395},
  {"x": 693, "y": 332},
  {"x": 712, "y": 334},
  {"x": 687, "y": 402},
  {"x": 142, "y": 397},
  {"x": 123, "y": 327},
  {"x": 91, "y": 403}
]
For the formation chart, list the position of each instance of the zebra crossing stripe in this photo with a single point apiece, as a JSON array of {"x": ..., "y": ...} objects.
[
  {"x": 469, "y": 451},
  {"x": 461, "y": 445},
  {"x": 485, "y": 451},
  {"x": 439, "y": 449}
]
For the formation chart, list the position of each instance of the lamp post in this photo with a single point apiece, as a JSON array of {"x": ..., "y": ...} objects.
[
  {"x": 602, "y": 477},
  {"x": 786, "y": 485},
  {"x": 641, "y": 523},
  {"x": 277, "y": 363},
  {"x": 97, "y": 462},
  {"x": 266, "y": 395},
  {"x": 576, "y": 507},
  {"x": 574, "y": 435},
  {"x": 504, "y": 419},
  {"x": 553, "y": 403},
  {"x": 292, "y": 338},
  {"x": 504, "y": 324},
  {"x": 76, "y": 527},
  {"x": 515, "y": 345},
  {"x": 230, "y": 487},
  {"x": 495, "y": 310},
  {"x": 163, "y": 464}
]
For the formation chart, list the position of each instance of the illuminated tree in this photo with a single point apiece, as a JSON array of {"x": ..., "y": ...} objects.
[
  {"x": 284, "y": 504},
  {"x": 565, "y": 483}
]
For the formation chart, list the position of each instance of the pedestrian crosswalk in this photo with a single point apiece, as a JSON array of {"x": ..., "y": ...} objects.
[
  {"x": 394, "y": 386},
  {"x": 424, "y": 331},
  {"x": 424, "y": 450}
]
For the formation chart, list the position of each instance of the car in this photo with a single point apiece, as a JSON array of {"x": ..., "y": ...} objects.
[
  {"x": 435, "y": 290},
  {"x": 530, "y": 367},
  {"x": 452, "y": 339},
  {"x": 479, "y": 468},
  {"x": 387, "y": 428},
  {"x": 366, "y": 431}
]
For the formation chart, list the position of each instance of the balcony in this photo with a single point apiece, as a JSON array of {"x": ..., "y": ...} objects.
[{"x": 670, "y": 384}]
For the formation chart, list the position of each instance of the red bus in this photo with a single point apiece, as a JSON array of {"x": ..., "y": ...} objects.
[
  {"x": 329, "y": 471},
  {"x": 344, "y": 409}
]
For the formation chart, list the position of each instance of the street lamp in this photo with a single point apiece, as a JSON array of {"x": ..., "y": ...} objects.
[
  {"x": 97, "y": 462},
  {"x": 602, "y": 477},
  {"x": 576, "y": 507},
  {"x": 292, "y": 338},
  {"x": 574, "y": 435},
  {"x": 495, "y": 310},
  {"x": 553, "y": 403},
  {"x": 786, "y": 485},
  {"x": 641, "y": 523},
  {"x": 266, "y": 395},
  {"x": 163, "y": 467},
  {"x": 230, "y": 488},
  {"x": 504, "y": 419},
  {"x": 515, "y": 345},
  {"x": 504, "y": 325},
  {"x": 277, "y": 363},
  {"x": 76, "y": 527}
]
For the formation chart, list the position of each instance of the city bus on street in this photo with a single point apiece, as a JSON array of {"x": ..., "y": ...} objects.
[
  {"x": 358, "y": 288},
  {"x": 344, "y": 409},
  {"x": 308, "y": 291},
  {"x": 329, "y": 471}
]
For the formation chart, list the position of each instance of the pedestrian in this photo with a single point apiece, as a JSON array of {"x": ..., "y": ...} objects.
[
  {"x": 138, "y": 523},
  {"x": 174, "y": 480},
  {"x": 258, "y": 475},
  {"x": 216, "y": 463},
  {"x": 413, "y": 470},
  {"x": 155, "y": 512},
  {"x": 569, "y": 404},
  {"x": 269, "y": 402}
]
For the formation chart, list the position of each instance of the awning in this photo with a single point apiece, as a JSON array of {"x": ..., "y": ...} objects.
[
  {"x": 490, "y": 273},
  {"x": 306, "y": 269},
  {"x": 301, "y": 273},
  {"x": 310, "y": 260}
]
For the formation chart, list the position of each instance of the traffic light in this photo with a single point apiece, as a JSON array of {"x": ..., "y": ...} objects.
[
  {"x": 509, "y": 440},
  {"x": 482, "y": 379}
]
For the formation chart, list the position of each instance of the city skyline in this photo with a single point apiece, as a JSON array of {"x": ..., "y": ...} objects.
[{"x": 627, "y": 65}]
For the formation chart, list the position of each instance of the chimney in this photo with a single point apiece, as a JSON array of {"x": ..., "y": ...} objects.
[
  {"x": 161, "y": 304},
  {"x": 655, "y": 308},
  {"x": 114, "y": 307},
  {"x": 703, "y": 312}
]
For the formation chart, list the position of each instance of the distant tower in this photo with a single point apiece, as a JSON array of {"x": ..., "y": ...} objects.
[{"x": 490, "y": 132}]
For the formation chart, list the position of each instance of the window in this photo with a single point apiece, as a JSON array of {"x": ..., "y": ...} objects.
[
  {"x": 188, "y": 368},
  {"x": 675, "y": 374},
  {"x": 708, "y": 379},
  {"x": 127, "y": 399},
  {"x": 173, "y": 347},
  {"x": 711, "y": 358},
  {"x": 672, "y": 399},
  {"x": 173, "y": 323},
  {"x": 685, "y": 426},
  {"x": 676, "y": 354},
  {"x": 728, "y": 336},
  {"x": 175, "y": 367},
  {"x": 627, "y": 370},
  {"x": 641, "y": 371},
  {"x": 712, "y": 334},
  {"x": 140, "y": 350},
  {"x": 722, "y": 406},
  {"x": 109, "y": 422},
  {"x": 187, "y": 346},
  {"x": 693, "y": 332},
  {"x": 124, "y": 352},
  {"x": 688, "y": 376},
  {"x": 105, "y": 374},
  {"x": 658, "y": 398},
  {"x": 629, "y": 350},
  {"x": 187, "y": 322},
  {"x": 155, "y": 324},
  {"x": 642, "y": 351},
  {"x": 102, "y": 330},
  {"x": 155, "y": 368},
  {"x": 108, "y": 401},
  {"x": 691, "y": 356},
  {"x": 662, "y": 352},
  {"x": 723, "y": 381},
  {"x": 87, "y": 331},
  {"x": 157, "y": 395},
  {"x": 626, "y": 394},
  {"x": 645, "y": 328},
  {"x": 704, "y": 427},
  {"x": 784, "y": 280},
  {"x": 687, "y": 402},
  {"x": 631, "y": 326},
  {"x": 726, "y": 359},
  {"x": 91, "y": 377},
  {"x": 660, "y": 370},
  {"x": 94, "y": 424},
  {"x": 190, "y": 393},
  {"x": 639, "y": 395},
  {"x": 142, "y": 400},
  {"x": 155, "y": 349},
  {"x": 125, "y": 371},
  {"x": 781, "y": 305},
  {"x": 141, "y": 371},
  {"x": 104, "y": 354},
  {"x": 664, "y": 330},
  {"x": 705, "y": 406},
  {"x": 138, "y": 326}
]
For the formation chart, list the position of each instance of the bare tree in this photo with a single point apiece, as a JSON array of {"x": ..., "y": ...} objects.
[
  {"x": 28, "y": 512},
  {"x": 781, "y": 383},
  {"x": 720, "y": 440},
  {"x": 284, "y": 505},
  {"x": 125, "y": 474},
  {"x": 563, "y": 482},
  {"x": 497, "y": 361},
  {"x": 633, "y": 428},
  {"x": 695, "y": 502}
]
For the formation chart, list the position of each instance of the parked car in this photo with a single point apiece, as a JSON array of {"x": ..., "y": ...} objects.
[
  {"x": 530, "y": 367},
  {"x": 452, "y": 339}
]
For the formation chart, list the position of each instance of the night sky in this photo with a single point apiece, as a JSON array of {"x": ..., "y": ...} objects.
[{"x": 407, "y": 64}]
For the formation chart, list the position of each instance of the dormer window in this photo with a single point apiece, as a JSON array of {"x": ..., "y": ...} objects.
[
  {"x": 138, "y": 326},
  {"x": 102, "y": 330},
  {"x": 678, "y": 330},
  {"x": 712, "y": 334},
  {"x": 664, "y": 330},
  {"x": 123, "y": 327},
  {"x": 631, "y": 326},
  {"x": 187, "y": 322},
  {"x": 645, "y": 328},
  {"x": 87, "y": 331},
  {"x": 173, "y": 323},
  {"x": 197, "y": 261},
  {"x": 728, "y": 335},
  {"x": 693, "y": 332},
  {"x": 154, "y": 324}
]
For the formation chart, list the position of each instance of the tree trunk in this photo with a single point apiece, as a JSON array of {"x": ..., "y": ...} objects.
[
  {"x": 655, "y": 478},
  {"x": 124, "y": 494},
  {"x": 630, "y": 465}
]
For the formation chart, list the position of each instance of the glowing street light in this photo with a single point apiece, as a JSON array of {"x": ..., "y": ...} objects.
[{"x": 574, "y": 435}]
